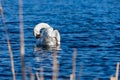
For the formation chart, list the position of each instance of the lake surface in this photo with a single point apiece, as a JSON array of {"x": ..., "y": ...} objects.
[{"x": 92, "y": 27}]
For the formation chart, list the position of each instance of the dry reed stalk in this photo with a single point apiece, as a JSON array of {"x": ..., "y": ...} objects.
[
  {"x": 96, "y": 79},
  {"x": 31, "y": 76},
  {"x": 41, "y": 74},
  {"x": 117, "y": 73},
  {"x": 71, "y": 77},
  {"x": 0, "y": 9},
  {"x": 74, "y": 64},
  {"x": 37, "y": 76},
  {"x": 112, "y": 78},
  {"x": 55, "y": 66},
  {"x": 8, "y": 43},
  {"x": 117, "y": 70},
  {"x": 22, "y": 51},
  {"x": 80, "y": 74}
]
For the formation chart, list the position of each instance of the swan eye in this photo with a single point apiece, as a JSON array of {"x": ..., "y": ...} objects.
[{"x": 41, "y": 30}]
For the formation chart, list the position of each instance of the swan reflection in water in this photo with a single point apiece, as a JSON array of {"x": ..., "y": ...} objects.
[
  {"x": 43, "y": 52},
  {"x": 44, "y": 58}
]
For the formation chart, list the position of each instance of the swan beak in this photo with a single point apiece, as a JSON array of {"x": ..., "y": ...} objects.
[{"x": 37, "y": 36}]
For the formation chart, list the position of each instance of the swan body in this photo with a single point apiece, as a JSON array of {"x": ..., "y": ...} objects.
[{"x": 46, "y": 35}]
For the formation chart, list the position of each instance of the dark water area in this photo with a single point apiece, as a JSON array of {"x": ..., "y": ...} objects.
[{"x": 92, "y": 27}]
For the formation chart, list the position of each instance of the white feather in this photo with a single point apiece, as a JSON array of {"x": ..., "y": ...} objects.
[{"x": 48, "y": 36}]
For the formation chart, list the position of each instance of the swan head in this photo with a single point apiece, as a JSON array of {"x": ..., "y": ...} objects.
[{"x": 39, "y": 28}]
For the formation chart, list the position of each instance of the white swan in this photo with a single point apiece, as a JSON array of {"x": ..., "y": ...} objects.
[{"x": 45, "y": 35}]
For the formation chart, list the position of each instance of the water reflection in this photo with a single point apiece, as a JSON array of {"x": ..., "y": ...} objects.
[
  {"x": 45, "y": 58},
  {"x": 46, "y": 48}
]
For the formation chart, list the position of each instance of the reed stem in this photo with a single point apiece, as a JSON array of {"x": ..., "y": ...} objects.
[
  {"x": 8, "y": 42},
  {"x": 74, "y": 64},
  {"x": 41, "y": 74},
  {"x": 37, "y": 76},
  {"x": 55, "y": 66},
  {"x": 22, "y": 51},
  {"x": 117, "y": 70},
  {"x": 71, "y": 77}
]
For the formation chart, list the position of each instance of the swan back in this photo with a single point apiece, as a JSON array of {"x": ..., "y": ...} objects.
[{"x": 47, "y": 37}]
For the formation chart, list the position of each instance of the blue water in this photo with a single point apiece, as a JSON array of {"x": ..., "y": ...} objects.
[{"x": 92, "y": 27}]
